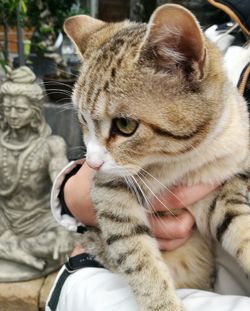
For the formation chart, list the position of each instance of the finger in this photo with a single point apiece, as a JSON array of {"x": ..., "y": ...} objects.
[
  {"x": 182, "y": 196},
  {"x": 77, "y": 250},
  {"x": 170, "y": 245},
  {"x": 170, "y": 227}
]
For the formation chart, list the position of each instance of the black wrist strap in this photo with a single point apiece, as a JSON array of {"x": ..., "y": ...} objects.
[
  {"x": 82, "y": 261},
  {"x": 75, "y": 263},
  {"x": 64, "y": 207}
]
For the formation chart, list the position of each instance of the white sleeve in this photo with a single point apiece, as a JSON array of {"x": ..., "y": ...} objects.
[
  {"x": 196, "y": 300},
  {"x": 236, "y": 60},
  {"x": 96, "y": 289},
  {"x": 64, "y": 220}
]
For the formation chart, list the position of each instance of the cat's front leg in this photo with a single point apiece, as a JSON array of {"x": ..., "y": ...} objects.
[
  {"x": 133, "y": 250},
  {"x": 228, "y": 219},
  {"x": 230, "y": 222}
]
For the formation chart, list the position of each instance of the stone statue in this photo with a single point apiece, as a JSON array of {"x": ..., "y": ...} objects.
[{"x": 31, "y": 243}]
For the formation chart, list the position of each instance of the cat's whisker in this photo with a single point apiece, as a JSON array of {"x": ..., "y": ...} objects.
[
  {"x": 59, "y": 91},
  {"x": 128, "y": 183},
  {"x": 139, "y": 175},
  {"x": 55, "y": 82},
  {"x": 149, "y": 204},
  {"x": 68, "y": 73},
  {"x": 156, "y": 197},
  {"x": 154, "y": 213},
  {"x": 162, "y": 224},
  {"x": 165, "y": 187},
  {"x": 63, "y": 98},
  {"x": 134, "y": 189},
  {"x": 150, "y": 207},
  {"x": 65, "y": 107},
  {"x": 142, "y": 192},
  {"x": 54, "y": 88},
  {"x": 134, "y": 186}
]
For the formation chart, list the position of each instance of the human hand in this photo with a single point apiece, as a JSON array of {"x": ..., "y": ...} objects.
[
  {"x": 172, "y": 230},
  {"x": 77, "y": 195}
]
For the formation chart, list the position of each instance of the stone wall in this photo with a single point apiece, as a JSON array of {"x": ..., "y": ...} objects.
[{"x": 26, "y": 296}]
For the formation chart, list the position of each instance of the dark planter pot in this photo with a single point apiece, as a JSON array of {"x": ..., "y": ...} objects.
[
  {"x": 40, "y": 65},
  {"x": 58, "y": 90}
]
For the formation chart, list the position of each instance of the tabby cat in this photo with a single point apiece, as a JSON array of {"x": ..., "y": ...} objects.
[{"x": 156, "y": 110}]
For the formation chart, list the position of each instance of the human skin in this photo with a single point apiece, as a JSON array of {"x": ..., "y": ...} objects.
[{"x": 170, "y": 231}]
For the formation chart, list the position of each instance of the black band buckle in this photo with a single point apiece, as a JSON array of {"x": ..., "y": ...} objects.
[{"x": 80, "y": 261}]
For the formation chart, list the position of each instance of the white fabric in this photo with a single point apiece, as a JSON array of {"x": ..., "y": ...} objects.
[
  {"x": 236, "y": 59},
  {"x": 220, "y": 38},
  {"x": 95, "y": 289},
  {"x": 230, "y": 280},
  {"x": 64, "y": 220}
]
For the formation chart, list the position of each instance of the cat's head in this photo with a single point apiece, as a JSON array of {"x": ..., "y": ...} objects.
[{"x": 146, "y": 93}]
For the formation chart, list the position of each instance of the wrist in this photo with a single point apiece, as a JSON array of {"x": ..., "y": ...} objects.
[{"x": 77, "y": 196}]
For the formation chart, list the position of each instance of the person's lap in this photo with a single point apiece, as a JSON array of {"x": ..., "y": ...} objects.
[{"x": 96, "y": 289}]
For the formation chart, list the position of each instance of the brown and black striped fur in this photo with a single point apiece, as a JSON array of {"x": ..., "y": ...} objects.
[{"x": 192, "y": 128}]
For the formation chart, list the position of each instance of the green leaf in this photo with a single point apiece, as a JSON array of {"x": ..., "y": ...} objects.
[
  {"x": 23, "y": 7},
  {"x": 13, "y": 5}
]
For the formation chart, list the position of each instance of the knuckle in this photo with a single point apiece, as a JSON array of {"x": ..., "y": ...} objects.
[
  {"x": 176, "y": 201},
  {"x": 183, "y": 229}
]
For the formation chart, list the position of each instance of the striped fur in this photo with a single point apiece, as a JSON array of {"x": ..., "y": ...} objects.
[{"x": 192, "y": 128}]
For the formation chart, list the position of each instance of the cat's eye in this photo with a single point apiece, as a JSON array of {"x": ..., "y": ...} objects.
[{"x": 124, "y": 126}]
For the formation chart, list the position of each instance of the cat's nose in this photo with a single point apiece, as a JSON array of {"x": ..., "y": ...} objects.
[{"x": 94, "y": 164}]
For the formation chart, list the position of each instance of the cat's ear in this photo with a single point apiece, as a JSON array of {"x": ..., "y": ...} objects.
[
  {"x": 177, "y": 39},
  {"x": 79, "y": 28}
]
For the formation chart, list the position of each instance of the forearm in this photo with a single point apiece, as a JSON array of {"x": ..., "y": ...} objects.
[{"x": 77, "y": 196}]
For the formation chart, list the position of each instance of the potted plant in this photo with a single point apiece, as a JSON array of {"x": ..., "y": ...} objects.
[
  {"x": 46, "y": 45},
  {"x": 12, "y": 13}
]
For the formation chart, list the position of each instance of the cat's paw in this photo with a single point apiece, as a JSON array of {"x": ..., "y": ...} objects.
[
  {"x": 175, "y": 307},
  {"x": 243, "y": 256},
  {"x": 164, "y": 306}
]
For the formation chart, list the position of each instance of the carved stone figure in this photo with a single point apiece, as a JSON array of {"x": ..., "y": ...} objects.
[{"x": 31, "y": 243}]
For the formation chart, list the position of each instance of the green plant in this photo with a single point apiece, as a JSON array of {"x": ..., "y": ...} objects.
[
  {"x": 47, "y": 18},
  {"x": 9, "y": 9}
]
